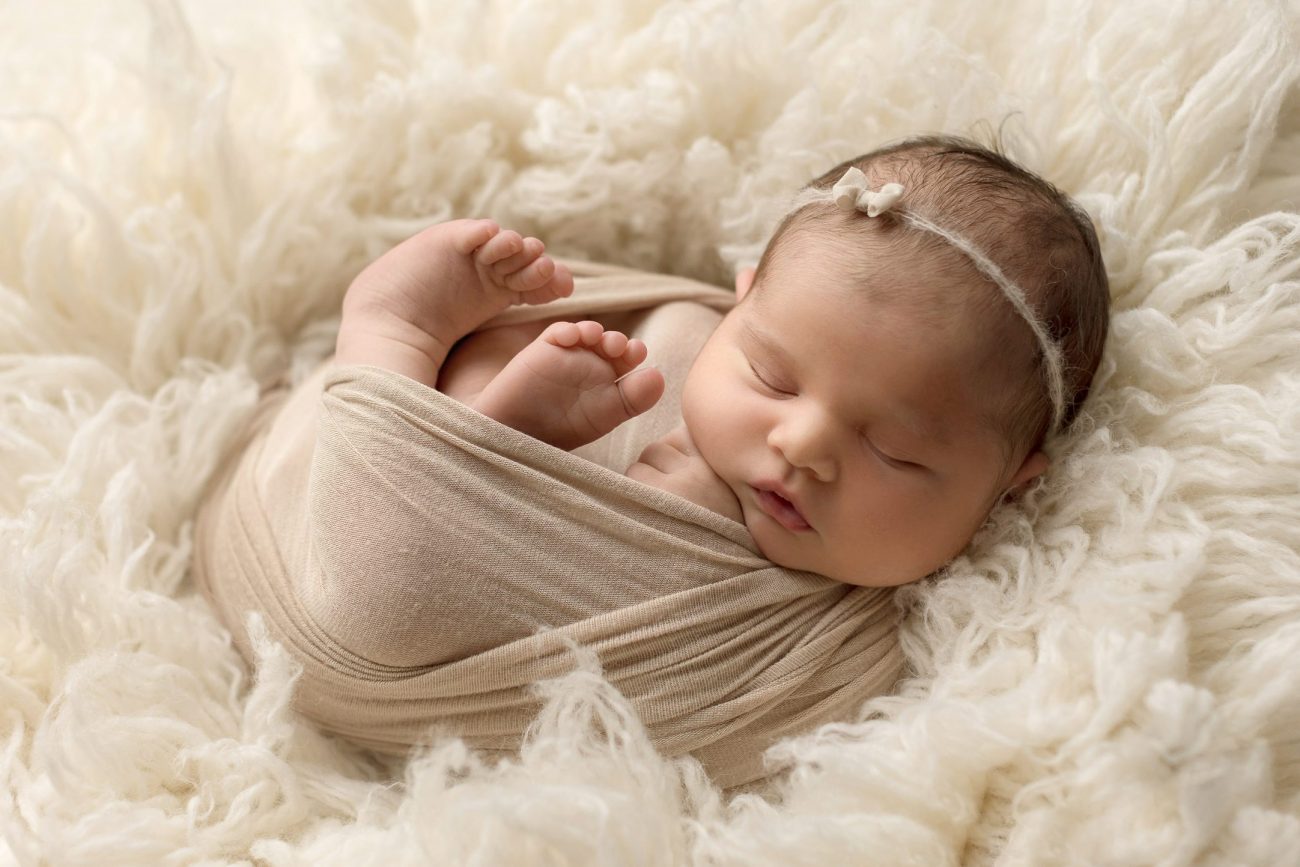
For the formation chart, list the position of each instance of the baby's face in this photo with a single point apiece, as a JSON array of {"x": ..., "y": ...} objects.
[{"x": 811, "y": 403}]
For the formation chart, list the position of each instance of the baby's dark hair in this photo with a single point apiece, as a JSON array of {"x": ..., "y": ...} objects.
[{"x": 1040, "y": 239}]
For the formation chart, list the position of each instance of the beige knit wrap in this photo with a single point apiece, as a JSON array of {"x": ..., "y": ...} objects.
[{"x": 407, "y": 551}]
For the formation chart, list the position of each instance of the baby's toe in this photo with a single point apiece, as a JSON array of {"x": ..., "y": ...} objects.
[
  {"x": 470, "y": 235},
  {"x": 620, "y": 351},
  {"x": 634, "y": 352},
  {"x": 530, "y": 249},
  {"x": 641, "y": 390},
  {"x": 591, "y": 332},
  {"x": 562, "y": 334},
  {"x": 501, "y": 247},
  {"x": 613, "y": 344},
  {"x": 533, "y": 276},
  {"x": 559, "y": 286}
]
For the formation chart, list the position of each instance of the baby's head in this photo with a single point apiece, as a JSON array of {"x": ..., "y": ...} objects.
[{"x": 877, "y": 373}]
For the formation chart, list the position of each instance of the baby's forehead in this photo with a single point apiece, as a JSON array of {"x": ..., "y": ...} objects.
[{"x": 898, "y": 286}]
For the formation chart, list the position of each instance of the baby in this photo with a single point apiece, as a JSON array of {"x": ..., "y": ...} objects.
[{"x": 922, "y": 321}]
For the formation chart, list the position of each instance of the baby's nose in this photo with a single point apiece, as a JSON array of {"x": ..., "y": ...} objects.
[{"x": 806, "y": 440}]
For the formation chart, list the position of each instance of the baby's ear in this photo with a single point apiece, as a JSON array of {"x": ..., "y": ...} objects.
[
  {"x": 744, "y": 280},
  {"x": 1035, "y": 464}
]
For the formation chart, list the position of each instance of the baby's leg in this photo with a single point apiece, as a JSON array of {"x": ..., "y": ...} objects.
[
  {"x": 575, "y": 383},
  {"x": 407, "y": 309}
]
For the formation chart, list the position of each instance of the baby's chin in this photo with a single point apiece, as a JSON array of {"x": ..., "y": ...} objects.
[{"x": 777, "y": 548}]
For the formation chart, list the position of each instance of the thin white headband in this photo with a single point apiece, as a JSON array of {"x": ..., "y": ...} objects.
[{"x": 852, "y": 193}]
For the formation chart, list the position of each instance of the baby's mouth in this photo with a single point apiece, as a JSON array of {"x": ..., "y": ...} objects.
[{"x": 781, "y": 510}]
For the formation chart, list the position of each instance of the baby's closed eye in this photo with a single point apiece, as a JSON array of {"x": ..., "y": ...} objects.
[
  {"x": 770, "y": 381},
  {"x": 886, "y": 457}
]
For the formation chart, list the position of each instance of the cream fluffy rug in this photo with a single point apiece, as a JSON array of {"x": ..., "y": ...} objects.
[{"x": 1111, "y": 676}]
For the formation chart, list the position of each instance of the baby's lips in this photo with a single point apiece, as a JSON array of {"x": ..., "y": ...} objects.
[{"x": 778, "y": 502}]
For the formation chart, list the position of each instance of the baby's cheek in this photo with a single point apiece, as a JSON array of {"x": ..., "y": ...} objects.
[
  {"x": 711, "y": 428},
  {"x": 694, "y": 413}
]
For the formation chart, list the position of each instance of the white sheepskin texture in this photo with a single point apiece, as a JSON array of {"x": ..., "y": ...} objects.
[{"x": 1108, "y": 675}]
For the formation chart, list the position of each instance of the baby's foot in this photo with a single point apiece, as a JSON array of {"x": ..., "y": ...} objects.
[
  {"x": 443, "y": 283},
  {"x": 575, "y": 383}
]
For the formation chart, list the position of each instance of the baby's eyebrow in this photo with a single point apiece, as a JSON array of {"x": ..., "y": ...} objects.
[
  {"x": 931, "y": 429},
  {"x": 764, "y": 340}
]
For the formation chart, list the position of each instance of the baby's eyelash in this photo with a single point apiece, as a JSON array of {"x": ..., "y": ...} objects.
[
  {"x": 897, "y": 463},
  {"x": 760, "y": 378}
]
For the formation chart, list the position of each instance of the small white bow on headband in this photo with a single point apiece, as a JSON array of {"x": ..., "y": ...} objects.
[{"x": 852, "y": 193}]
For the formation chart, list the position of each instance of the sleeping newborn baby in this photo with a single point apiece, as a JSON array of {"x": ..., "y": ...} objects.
[{"x": 922, "y": 321}]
